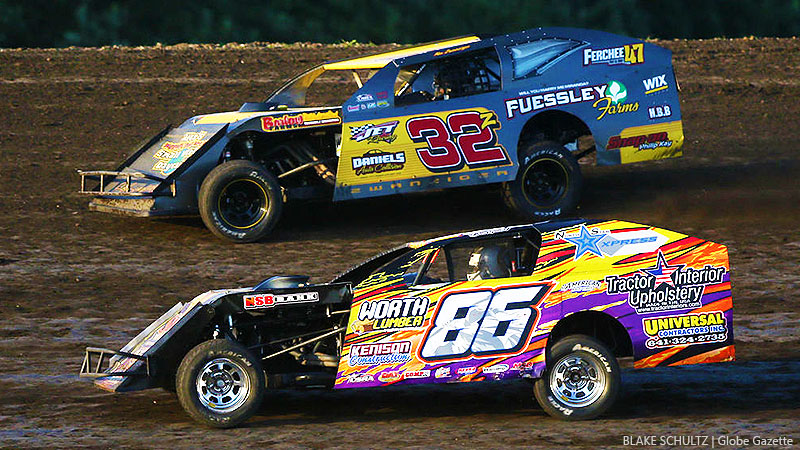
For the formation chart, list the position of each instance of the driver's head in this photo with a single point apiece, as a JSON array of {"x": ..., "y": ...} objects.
[{"x": 491, "y": 261}]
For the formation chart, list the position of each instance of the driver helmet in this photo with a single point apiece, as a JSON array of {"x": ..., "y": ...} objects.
[{"x": 491, "y": 261}]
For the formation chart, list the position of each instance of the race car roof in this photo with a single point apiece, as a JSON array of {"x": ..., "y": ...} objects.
[{"x": 380, "y": 60}]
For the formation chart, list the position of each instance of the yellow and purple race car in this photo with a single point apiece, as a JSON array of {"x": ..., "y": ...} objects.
[
  {"x": 554, "y": 302},
  {"x": 519, "y": 110}
]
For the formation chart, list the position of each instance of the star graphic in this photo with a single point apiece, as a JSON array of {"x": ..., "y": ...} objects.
[
  {"x": 663, "y": 271},
  {"x": 586, "y": 242}
]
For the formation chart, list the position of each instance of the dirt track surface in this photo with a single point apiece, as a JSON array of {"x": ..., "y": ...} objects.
[{"x": 71, "y": 278}]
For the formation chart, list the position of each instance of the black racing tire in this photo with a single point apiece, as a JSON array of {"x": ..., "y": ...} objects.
[
  {"x": 220, "y": 383},
  {"x": 548, "y": 183},
  {"x": 240, "y": 200},
  {"x": 582, "y": 379}
]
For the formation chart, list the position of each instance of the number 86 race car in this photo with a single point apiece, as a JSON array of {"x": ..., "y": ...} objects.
[
  {"x": 555, "y": 302},
  {"x": 518, "y": 110}
]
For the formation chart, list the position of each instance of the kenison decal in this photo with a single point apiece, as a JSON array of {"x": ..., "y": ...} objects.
[
  {"x": 269, "y": 300},
  {"x": 665, "y": 287}
]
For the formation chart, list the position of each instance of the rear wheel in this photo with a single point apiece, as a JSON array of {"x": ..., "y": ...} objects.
[
  {"x": 220, "y": 383},
  {"x": 240, "y": 200},
  {"x": 582, "y": 379},
  {"x": 548, "y": 183}
]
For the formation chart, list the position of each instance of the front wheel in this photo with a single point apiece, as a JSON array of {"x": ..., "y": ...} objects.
[
  {"x": 240, "y": 200},
  {"x": 548, "y": 183},
  {"x": 220, "y": 383},
  {"x": 582, "y": 379}
]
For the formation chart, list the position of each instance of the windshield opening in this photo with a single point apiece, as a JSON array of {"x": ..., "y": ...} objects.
[{"x": 320, "y": 87}]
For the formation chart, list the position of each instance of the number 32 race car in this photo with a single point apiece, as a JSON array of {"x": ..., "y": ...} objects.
[
  {"x": 517, "y": 110},
  {"x": 554, "y": 302}
]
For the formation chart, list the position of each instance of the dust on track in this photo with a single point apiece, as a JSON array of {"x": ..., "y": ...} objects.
[{"x": 70, "y": 278}]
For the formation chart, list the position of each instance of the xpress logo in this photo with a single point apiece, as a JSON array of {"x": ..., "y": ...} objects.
[
  {"x": 259, "y": 301},
  {"x": 374, "y": 134},
  {"x": 665, "y": 287},
  {"x": 377, "y": 161},
  {"x": 602, "y": 243}
]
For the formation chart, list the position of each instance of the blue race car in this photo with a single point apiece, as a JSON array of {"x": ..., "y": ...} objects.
[{"x": 519, "y": 110}]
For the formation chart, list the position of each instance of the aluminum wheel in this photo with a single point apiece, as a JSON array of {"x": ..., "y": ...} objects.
[
  {"x": 222, "y": 385},
  {"x": 545, "y": 182},
  {"x": 577, "y": 382}
]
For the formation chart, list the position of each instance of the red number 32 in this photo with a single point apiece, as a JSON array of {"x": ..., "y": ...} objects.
[{"x": 466, "y": 138}]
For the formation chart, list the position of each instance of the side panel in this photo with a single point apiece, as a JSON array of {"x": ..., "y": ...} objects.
[
  {"x": 457, "y": 332},
  {"x": 623, "y": 89},
  {"x": 671, "y": 292},
  {"x": 420, "y": 152}
]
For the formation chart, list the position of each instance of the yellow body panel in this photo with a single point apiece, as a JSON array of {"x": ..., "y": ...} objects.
[{"x": 380, "y": 60}]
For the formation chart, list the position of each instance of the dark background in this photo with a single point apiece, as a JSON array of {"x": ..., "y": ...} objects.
[{"x": 63, "y": 23}]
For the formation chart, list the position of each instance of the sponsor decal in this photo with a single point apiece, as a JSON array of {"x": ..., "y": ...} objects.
[
  {"x": 567, "y": 96},
  {"x": 383, "y": 104},
  {"x": 259, "y": 301},
  {"x": 466, "y": 370},
  {"x": 659, "y": 112},
  {"x": 519, "y": 365},
  {"x": 626, "y": 54},
  {"x": 382, "y": 95},
  {"x": 379, "y": 353},
  {"x": 642, "y": 142},
  {"x": 364, "y": 98},
  {"x": 438, "y": 180},
  {"x": 391, "y": 314},
  {"x": 602, "y": 243},
  {"x": 377, "y": 161},
  {"x": 360, "y": 378},
  {"x": 497, "y": 368},
  {"x": 614, "y": 101},
  {"x": 665, "y": 287},
  {"x": 416, "y": 374},
  {"x": 655, "y": 84},
  {"x": 353, "y": 108},
  {"x": 390, "y": 376},
  {"x": 269, "y": 123},
  {"x": 172, "y": 154},
  {"x": 451, "y": 50},
  {"x": 442, "y": 372},
  {"x": 374, "y": 134},
  {"x": 289, "y": 121},
  {"x": 582, "y": 286},
  {"x": 371, "y": 105},
  {"x": 700, "y": 328}
]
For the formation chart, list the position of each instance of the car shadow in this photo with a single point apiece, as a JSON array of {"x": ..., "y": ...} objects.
[{"x": 697, "y": 390}]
